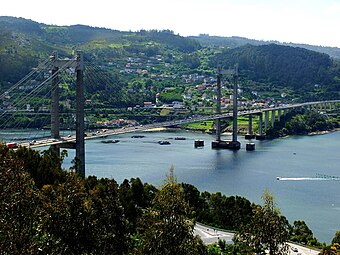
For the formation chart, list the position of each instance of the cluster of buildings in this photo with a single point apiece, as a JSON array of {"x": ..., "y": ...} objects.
[
  {"x": 200, "y": 92},
  {"x": 117, "y": 123}
]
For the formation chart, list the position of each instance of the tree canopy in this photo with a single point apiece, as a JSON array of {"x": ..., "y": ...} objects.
[{"x": 266, "y": 230}]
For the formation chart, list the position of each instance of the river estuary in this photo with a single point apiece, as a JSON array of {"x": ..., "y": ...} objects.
[{"x": 297, "y": 160}]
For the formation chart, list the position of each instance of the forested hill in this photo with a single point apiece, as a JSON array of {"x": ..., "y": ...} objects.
[
  {"x": 236, "y": 41},
  {"x": 79, "y": 34},
  {"x": 145, "y": 63},
  {"x": 275, "y": 66},
  {"x": 23, "y": 42}
]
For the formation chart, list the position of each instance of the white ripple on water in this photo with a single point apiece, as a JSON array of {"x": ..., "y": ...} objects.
[{"x": 307, "y": 179}]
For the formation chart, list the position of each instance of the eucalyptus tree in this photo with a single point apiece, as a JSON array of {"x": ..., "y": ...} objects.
[
  {"x": 267, "y": 230},
  {"x": 19, "y": 206},
  {"x": 166, "y": 227}
]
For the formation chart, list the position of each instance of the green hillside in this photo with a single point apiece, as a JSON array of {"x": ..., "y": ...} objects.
[
  {"x": 311, "y": 75},
  {"x": 138, "y": 65}
]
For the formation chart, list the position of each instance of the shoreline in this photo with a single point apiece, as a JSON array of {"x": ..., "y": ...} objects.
[
  {"x": 323, "y": 132},
  {"x": 228, "y": 133}
]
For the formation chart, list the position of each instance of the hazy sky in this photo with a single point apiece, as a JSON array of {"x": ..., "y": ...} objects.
[{"x": 300, "y": 21}]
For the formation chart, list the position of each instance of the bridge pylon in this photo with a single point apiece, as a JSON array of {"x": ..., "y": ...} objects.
[
  {"x": 80, "y": 126},
  {"x": 227, "y": 144},
  {"x": 55, "y": 114},
  {"x": 78, "y": 65}
]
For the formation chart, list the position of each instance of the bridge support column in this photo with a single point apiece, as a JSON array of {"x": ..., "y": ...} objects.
[
  {"x": 236, "y": 144},
  {"x": 80, "y": 126},
  {"x": 260, "y": 136},
  {"x": 273, "y": 118},
  {"x": 266, "y": 120},
  {"x": 218, "y": 129},
  {"x": 55, "y": 115},
  {"x": 250, "y": 134},
  {"x": 218, "y": 105},
  {"x": 279, "y": 114}
]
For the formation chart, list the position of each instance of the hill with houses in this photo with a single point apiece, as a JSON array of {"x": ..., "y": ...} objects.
[{"x": 162, "y": 67}]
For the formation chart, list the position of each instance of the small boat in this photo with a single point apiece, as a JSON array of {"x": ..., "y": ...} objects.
[
  {"x": 180, "y": 138},
  {"x": 164, "y": 142},
  {"x": 110, "y": 141},
  {"x": 138, "y": 136}
]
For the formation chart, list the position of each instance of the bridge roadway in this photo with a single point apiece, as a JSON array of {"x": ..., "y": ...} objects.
[{"x": 105, "y": 133}]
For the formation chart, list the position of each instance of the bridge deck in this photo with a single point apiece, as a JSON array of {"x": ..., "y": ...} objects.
[{"x": 70, "y": 139}]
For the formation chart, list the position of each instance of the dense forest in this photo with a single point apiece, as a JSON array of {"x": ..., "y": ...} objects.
[{"x": 311, "y": 75}]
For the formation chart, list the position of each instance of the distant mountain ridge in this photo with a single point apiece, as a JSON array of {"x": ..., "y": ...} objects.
[
  {"x": 83, "y": 33},
  {"x": 235, "y": 41}
]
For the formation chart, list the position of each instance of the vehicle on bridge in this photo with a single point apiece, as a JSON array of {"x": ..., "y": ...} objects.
[{"x": 12, "y": 145}]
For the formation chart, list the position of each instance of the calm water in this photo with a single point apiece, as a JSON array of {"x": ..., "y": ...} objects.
[{"x": 234, "y": 173}]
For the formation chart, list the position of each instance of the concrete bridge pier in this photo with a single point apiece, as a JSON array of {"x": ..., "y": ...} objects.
[
  {"x": 218, "y": 129},
  {"x": 279, "y": 114},
  {"x": 266, "y": 120},
  {"x": 273, "y": 118},
  {"x": 250, "y": 134},
  {"x": 260, "y": 136}
]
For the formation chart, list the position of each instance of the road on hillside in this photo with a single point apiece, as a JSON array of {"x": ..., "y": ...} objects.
[{"x": 211, "y": 235}]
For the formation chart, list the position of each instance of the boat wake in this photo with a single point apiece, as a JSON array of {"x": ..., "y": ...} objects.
[{"x": 319, "y": 177}]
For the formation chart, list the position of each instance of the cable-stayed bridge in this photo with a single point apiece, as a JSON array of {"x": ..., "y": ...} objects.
[
  {"x": 38, "y": 94},
  {"x": 107, "y": 132}
]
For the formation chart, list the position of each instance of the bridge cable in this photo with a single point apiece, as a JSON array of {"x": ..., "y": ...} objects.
[
  {"x": 41, "y": 66},
  {"x": 34, "y": 91}
]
